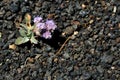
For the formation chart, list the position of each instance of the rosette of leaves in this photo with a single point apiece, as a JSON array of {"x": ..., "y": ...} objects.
[{"x": 26, "y": 32}]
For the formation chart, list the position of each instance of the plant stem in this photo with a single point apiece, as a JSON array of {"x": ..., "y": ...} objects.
[{"x": 58, "y": 52}]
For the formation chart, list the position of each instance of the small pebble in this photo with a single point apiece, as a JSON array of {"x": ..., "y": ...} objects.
[
  {"x": 114, "y": 9},
  {"x": 30, "y": 60},
  {"x": 66, "y": 55},
  {"x": 91, "y": 21},
  {"x": 83, "y": 6},
  {"x": 112, "y": 67}
]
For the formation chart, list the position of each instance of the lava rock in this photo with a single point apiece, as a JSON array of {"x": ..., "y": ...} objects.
[{"x": 14, "y": 7}]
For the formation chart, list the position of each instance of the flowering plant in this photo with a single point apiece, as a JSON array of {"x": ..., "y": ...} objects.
[{"x": 40, "y": 28}]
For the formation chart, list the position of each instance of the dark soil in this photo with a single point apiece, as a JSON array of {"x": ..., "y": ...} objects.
[{"x": 92, "y": 54}]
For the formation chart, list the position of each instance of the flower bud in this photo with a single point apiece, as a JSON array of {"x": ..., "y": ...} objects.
[{"x": 28, "y": 19}]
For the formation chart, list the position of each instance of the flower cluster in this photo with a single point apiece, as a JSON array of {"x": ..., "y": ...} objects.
[
  {"x": 46, "y": 28},
  {"x": 40, "y": 28}
]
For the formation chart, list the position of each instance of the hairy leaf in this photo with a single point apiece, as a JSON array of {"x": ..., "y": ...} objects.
[
  {"x": 24, "y": 26},
  {"x": 22, "y": 32},
  {"x": 21, "y": 40},
  {"x": 33, "y": 40}
]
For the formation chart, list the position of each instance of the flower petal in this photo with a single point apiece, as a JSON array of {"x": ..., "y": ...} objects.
[
  {"x": 47, "y": 35},
  {"x": 50, "y": 25},
  {"x": 37, "y": 19},
  {"x": 41, "y": 25}
]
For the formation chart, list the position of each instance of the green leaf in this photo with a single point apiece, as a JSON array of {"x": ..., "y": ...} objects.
[
  {"x": 22, "y": 32},
  {"x": 18, "y": 41},
  {"x": 29, "y": 33},
  {"x": 33, "y": 40},
  {"x": 32, "y": 27},
  {"x": 21, "y": 40},
  {"x": 24, "y": 26}
]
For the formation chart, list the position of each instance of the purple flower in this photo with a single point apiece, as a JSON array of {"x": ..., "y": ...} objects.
[
  {"x": 37, "y": 19},
  {"x": 44, "y": 28},
  {"x": 41, "y": 25},
  {"x": 47, "y": 35},
  {"x": 50, "y": 25}
]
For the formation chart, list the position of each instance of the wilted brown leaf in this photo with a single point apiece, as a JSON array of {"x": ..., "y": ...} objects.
[
  {"x": 12, "y": 46},
  {"x": 17, "y": 21}
]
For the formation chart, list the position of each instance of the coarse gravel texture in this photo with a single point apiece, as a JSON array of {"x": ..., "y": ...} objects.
[{"x": 92, "y": 54}]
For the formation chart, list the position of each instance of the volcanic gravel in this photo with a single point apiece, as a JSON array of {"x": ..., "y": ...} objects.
[{"x": 92, "y": 54}]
